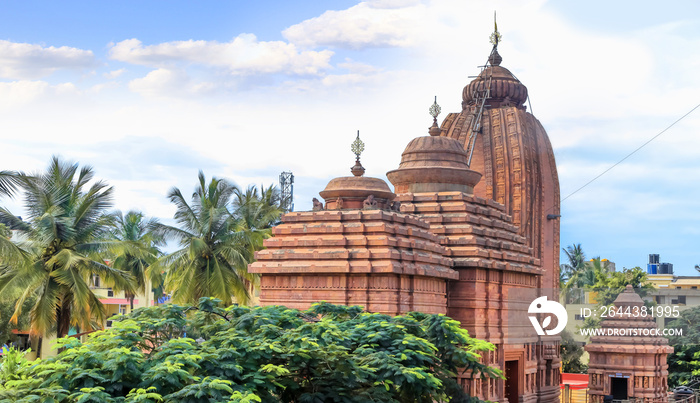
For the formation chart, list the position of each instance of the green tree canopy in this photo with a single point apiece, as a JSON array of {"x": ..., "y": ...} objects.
[
  {"x": 571, "y": 353},
  {"x": 576, "y": 260},
  {"x": 56, "y": 252},
  {"x": 684, "y": 362},
  {"x": 268, "y": 354},
  {"x": 132, "y": 247},
  {"x": 218, "y": 231},
  {"x": 257, "y": 210},
  {"x": 7, "y": 310},
  {"x": 609, "y": 284},
  {"x": 8, "y": 182}
]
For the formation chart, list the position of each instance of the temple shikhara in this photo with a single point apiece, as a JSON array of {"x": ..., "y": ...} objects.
[{"x": 470, "y": 230}]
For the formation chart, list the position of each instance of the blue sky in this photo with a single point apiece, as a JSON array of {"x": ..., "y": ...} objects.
[{"x": 148, "y": 93}]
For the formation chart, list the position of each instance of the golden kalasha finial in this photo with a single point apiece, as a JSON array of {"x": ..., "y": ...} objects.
[{"x": 495, "y": 36}]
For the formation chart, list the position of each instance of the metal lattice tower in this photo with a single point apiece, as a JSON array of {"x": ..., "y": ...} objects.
[{"x": 287, "y": 191}]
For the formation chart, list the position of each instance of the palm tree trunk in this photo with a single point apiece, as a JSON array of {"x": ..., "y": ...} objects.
[
  {"x": 63, "y": 319},
  {"x": 38, "y": 347},
  {"x": 131, "y": 300}
]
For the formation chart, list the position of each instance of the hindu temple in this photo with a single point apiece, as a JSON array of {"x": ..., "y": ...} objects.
[
  {"x": 470, "y": 230},
  {"x": 628, "y": 361}
]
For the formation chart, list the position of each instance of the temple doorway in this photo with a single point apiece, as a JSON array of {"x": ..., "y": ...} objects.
[
  {"x": 512, "y": 381},
  {"x": 618, "y": 388}
]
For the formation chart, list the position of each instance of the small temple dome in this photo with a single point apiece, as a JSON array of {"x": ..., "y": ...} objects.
[
  {"x": 434, "y": 164},
  {"x": 354, "y": 190},
  {"x": 358, "y": 191},
  {"x": 506, "y": 90}
]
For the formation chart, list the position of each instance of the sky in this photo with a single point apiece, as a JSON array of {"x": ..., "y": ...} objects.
[{"x": 149, "y": 93}]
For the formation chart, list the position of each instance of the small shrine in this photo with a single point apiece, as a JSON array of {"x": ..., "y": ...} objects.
[{"x": 629, "y": 360}]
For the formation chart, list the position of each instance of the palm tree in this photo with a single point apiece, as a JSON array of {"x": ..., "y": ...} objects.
[
  {"x": 256, "y": 213},
  {"x": 576, "y": 262},
  {"x": 56, "y": 254},
  {"x": 8, "y": 182},
  {"x": 572, "y": 273},
  {"x": 215, "y": 252},
  {"x": 258, "y": 210},
  {"x": 133, "y": 247}
]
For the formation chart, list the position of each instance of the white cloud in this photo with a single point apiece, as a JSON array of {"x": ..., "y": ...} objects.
[
  {"x": 243, "y": 55},
  {"x": 19, "y": 93},
  {"x": 385, "y": 23},
  {"x": 166, "y": 83},
  {"x": 599, "y": 92},
  {"x": 392, "y": 3},
  {"x": 114, "y": 74},
  {"x": 29, "y": 61},
  {"x": 357, "y": 67}
]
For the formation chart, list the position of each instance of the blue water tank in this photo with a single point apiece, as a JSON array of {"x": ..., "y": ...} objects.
[{"x": 652, "y": 268}]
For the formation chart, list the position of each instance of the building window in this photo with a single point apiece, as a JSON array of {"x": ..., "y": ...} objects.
[
  {"x": 681, "y": 299},
  {"x": 96, "y": 281},
  {"x": 110, "y": 293},
  {"x": 122, "y": 309},
  {"x": 578, "y": 317},
  {"x": 694, "y": 287}
]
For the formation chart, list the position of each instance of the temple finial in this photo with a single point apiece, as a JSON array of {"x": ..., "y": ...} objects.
[
  {"x": 495, "y": 36},
  {"x": 357, "y": 148},
  {"x": 494, "y": 58},
  {"x": 434, "y": 110}
]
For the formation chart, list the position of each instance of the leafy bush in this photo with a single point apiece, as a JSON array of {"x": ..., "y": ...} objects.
[
  {"x": 329, "y": 353},
  {"x": 684, "y": 362}
]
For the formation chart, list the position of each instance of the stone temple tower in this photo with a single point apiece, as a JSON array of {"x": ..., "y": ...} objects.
[
  {"x": 510, "y": 148},
  {"x": 470, "y": 230}
]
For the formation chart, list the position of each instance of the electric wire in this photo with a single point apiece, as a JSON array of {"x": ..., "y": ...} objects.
[{"x": 632, "y": 153}]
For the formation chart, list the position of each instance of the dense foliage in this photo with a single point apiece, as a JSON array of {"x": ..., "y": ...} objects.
[
  {"x": 218, "y": 232},
  {"x": 271, "y": 354},
  {"x": 68, "y": 240},
  {"x": 578, "y": 275},
  {"x": 571, "y": 353},
  {"x": 132, "y": 247},
  {"x": 56, "y": 255},
  {"x": 7, "y": 310},
  {"x": 684, "y": 362},
  {"x": 609, "y": 285}
]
